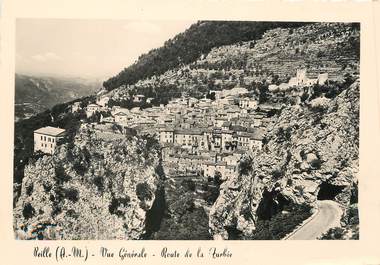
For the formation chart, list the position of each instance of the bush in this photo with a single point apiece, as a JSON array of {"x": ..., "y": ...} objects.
[
  {"x": 283, "y": 134},
  {"x": 143, "y": 191},
  {"x": 193, "y": 225},
  {"x": 279, "y": 225},
  {"x": 333, "y": 234},
  {"x": 353, "y": 215},
  {"x": 29, "y": 189},
  {"x": 245, "y": 166},
  {"x": 116, "y": 203},
  {"x": 211, "y": 195},
  {"x": 71, "y": 194},
  {"x": 276, "y": 174},
  {"x": 188, "y": 184},
  {"x": 60, "y": 175},
  {"x": 99, "y": 183},
  {"x": 28, "y": 211}
]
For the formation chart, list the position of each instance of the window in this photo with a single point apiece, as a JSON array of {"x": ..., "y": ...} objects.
[
  {"x": 51, "y": 145},
  {"x": 52, "y": 140},
  {"x": 45, "y": 138},
  {"x": 42, "y": 145},
  {"x": 41, "y": 138}
]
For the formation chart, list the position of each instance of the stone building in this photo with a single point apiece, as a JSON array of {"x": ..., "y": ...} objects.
[{"x": 47, "y": 138}]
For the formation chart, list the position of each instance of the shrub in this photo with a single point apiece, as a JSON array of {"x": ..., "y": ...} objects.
[
  {"x": 99, "y": 183},
  {"x": 29, "y": 189},
  {"x": 47, "y": 187},
  {"x": 284, "y": 134},
  {"x": 276, "y": 174},
  {"x": 279, "y": 225},
  {"x": 116, "y": 203},
  {"x": 28, "y": 211},
  {"x": 192, "y": 225},
  {"x": 211, "y": 195},
  {"x": 79, "y": 168},
  {"x": 218, "y": 178},
  {"x": 333, "y": 234},
  {"x": 353, "y": 216},
  {"x": 71, "y": 194},
  {"x": 143, "y": 191},
  {"x": 245, "y": 166},
  {"x": 60, "y": 175},
  {"x": 316, "y": 163},
  {"x": 188, "y": 184}
]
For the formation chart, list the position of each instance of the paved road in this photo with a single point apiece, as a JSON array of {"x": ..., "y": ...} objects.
[{"x": 327, "y": 217}]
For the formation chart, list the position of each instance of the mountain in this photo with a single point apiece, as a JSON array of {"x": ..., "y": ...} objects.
[
  {"x": 186, "y": 47},
  {"x": 34, "y": 94},
  {"x": 331, "y": 48}
]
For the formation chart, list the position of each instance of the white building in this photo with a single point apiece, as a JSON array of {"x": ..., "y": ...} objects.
[
  {"x": 166, "y": 135},
  {"x": 120, "y": 117},
  {"x": 46, "y": 138},
  {"x": 91, "y": 109},
  {"x": 247, "y": 103},
  {"x": 103, "y": 101}
]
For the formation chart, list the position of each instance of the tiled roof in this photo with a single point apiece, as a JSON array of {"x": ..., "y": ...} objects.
[{"x": 52, "y": 131}]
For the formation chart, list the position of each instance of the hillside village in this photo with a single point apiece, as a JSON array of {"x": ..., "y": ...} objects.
[
  {"x": 323, "y": 48},
  {"x": 217, "y": 122},
  {"x": 198, "y": 136}
]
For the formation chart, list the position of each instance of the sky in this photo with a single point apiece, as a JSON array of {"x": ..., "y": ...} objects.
[{"x": 87, "y": 48}]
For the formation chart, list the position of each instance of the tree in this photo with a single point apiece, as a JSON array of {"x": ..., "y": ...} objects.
[
  {"x": 245, "y": 166},
  {"x": 263, "y": 93}
]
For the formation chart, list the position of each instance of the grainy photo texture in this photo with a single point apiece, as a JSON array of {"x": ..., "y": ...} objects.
[{"x": 195, "y": 130}]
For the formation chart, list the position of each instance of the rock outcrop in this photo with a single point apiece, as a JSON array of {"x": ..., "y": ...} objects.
[
  {"x": 308, "y": 148},
  {"x": 92, "y": 188}
]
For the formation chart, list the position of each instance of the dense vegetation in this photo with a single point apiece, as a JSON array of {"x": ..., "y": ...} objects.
[
  {"x": 282, "y": 223},
  {"x": 183, "y": 220},
  {"x": 186, "y": 47}
]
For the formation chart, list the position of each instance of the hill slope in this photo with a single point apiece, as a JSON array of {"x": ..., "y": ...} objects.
[
  {"x": 331, "y": 48},
  {"x": 186, "y": 47}
]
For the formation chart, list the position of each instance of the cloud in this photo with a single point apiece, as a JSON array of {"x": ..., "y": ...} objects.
[
  {"x": 143, "y": 27},
  {"x": 48, "y": 56}
]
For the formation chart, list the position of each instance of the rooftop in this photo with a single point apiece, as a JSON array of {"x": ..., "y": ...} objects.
[
  {"x": 120, "y": 113},
  {"x": 52, "y": 131}
]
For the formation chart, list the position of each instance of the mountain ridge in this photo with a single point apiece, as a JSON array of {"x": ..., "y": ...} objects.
[{"x": 189, "y": 45}]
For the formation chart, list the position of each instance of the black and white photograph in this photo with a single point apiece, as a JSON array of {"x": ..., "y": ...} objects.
[{"x": 186, "y": 129}]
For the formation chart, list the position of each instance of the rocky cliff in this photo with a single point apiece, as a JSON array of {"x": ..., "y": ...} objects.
[
  {"x": 310, "y": 153},
  {"x": 93, "y": 188}
]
